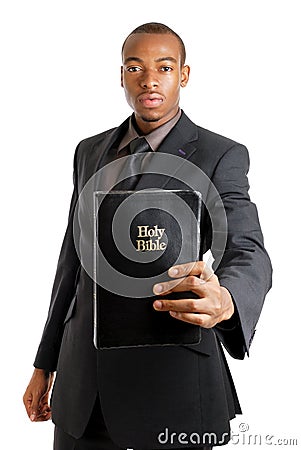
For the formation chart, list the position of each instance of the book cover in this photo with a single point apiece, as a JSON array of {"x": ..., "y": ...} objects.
[{"x": 138, "y": 236}]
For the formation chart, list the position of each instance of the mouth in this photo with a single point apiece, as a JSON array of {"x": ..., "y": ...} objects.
[{"x": 151, "y": 100}]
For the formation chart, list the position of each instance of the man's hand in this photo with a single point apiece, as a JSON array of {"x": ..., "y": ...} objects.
[
  {"x": 36, "y": 396},
  {"x": 213, "y": 305}
]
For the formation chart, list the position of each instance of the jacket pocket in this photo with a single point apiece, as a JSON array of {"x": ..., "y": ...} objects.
[
  {"x": 206, "y": 345},
  {"x": 71, "y": 309}
]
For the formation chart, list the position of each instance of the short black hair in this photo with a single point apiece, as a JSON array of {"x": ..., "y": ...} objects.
[{"x": 158, "y": 28}]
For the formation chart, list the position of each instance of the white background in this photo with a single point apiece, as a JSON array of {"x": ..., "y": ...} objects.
[{"x": 60, "y": 82}]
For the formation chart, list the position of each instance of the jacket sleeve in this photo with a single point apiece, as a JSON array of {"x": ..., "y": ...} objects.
[
  {"x": 62, "y": 292},
  {"x": 245, "y": 268}
]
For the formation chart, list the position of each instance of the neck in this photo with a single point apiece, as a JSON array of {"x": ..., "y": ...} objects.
[{"x": 145, "y": 126}]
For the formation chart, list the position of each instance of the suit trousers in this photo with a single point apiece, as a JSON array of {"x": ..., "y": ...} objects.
[{"x": 95, "y": 437}]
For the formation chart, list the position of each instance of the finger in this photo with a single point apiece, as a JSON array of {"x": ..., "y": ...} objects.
[
  {"x": 185, "y": 305},
  {"x": 190, "y": 283},
  {"x": 44, "y": 415},
  {"x": 198, "y": 268},
  {"x": 35, "y": 409},
  {"x": 168, "y": 286},
  {"x": 27, "y": 400},
  {"x": 189, "y": 305},
  {"x": 203, "y": 320}
]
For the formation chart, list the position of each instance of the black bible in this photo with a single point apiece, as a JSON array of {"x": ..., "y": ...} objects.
[{"x": 138, "y": 236}]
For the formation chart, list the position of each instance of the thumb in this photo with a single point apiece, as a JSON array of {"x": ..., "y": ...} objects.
[{"x": 34, "y": 408}]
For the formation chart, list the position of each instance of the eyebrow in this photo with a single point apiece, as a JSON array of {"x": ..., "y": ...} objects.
[
  {"x": 167, "y": 58},
  {"x": 164, "y": 58}
]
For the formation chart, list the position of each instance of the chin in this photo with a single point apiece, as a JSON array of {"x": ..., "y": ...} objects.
[{"x": 150, "y": 118}]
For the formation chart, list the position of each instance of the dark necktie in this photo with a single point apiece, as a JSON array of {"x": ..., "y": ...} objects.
[
  {"x": 133, "y": 164},
  {"x": 139, "y": 145}
]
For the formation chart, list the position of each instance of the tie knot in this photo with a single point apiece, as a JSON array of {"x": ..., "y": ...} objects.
[{"x": 139, "y": 145}]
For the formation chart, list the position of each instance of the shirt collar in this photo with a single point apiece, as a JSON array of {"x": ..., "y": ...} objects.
[{"x": 154, "y": 138}]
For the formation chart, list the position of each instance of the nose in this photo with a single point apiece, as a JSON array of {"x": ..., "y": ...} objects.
[{"x": 149, "y": 80}]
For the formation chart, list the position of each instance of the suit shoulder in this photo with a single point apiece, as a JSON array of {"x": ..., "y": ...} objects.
[
  {"x": 216, "y": 148},
  {"x": 213, "y": 148},
  {"x": 209, "y": 139},
  {"x": 95, "y": 139},
  {"x": 86, "y": 147}
]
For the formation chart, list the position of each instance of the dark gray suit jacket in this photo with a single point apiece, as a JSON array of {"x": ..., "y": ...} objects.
[{"x": 146, "y": 391}]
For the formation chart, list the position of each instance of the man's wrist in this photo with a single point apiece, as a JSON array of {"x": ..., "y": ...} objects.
[
  {"x": 233, "y": 321},
  {"x": 228, "y": 304},
  {"x": 42, "y": 372}
]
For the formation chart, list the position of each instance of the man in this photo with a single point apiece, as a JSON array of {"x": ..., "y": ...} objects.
[{"x": 169, "y": 396}]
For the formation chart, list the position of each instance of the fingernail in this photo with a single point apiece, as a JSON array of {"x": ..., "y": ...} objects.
[
  {"x": 173, "y": 313},
  {"x": 173, "y": 272},
  {"x": 158, "y": 304},
  {"x": 202, "y": 281},
  {"x": 158, "y": 288},
  {"x": 32, "y": 417}
]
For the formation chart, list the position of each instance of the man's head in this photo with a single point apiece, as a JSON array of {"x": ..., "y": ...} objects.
[
  {"x": 152, "y": 73},
  {"x": 159, "y": 28}
]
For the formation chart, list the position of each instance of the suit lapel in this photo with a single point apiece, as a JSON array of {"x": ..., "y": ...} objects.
[
  {"x": 98, "y": 155},
  {"x": 109, "y": 140},
  {"x": 180, "y": 142}
]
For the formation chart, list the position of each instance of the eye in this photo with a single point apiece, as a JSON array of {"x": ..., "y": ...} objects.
[
  {"x": 134, "y": 69},
  {"x": 166, "y": 69}
]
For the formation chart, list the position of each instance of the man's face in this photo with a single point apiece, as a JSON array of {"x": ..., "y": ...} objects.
[{"x": 151, "y": 75}]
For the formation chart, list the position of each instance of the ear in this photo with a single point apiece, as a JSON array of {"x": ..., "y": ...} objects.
[
  {"x": 121, "y": 74},
  {"x": 185, "y": 75}
]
